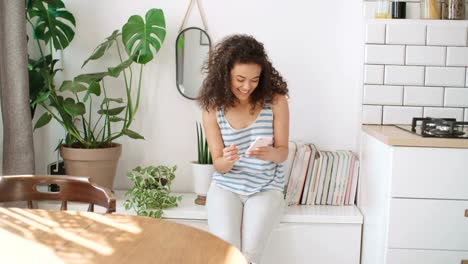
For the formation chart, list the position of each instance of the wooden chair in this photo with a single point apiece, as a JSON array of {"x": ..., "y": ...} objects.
[{"x": 76, "y": 189}]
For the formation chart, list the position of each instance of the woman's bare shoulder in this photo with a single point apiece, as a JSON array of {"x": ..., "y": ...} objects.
[
  {"x": 210, "y": 113},
  {"x": 279, "y": 100}
]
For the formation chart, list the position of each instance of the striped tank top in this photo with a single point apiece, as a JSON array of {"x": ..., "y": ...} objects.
[{"x": 249, "y": 175}]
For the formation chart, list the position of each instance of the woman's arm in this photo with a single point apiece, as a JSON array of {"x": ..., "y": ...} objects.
[
  {"x": 280, "y": 128},
  {"x": 223, "y": 158}
]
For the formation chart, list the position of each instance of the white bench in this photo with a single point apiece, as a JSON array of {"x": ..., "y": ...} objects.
[{"x": 306, "y": 234}]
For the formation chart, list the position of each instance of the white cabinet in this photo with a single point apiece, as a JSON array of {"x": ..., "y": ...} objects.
[
  {"x": 314, "y": 243},
  {"x": 306, "y": 234},
  {"x": 295, "y": 243},
  {"x": 414, "y": 201}
]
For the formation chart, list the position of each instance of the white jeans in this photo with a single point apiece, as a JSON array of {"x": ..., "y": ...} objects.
[{"x": 244, "y": 221}]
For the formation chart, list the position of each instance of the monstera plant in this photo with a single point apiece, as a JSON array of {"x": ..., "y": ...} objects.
[
  {"x": 84, "y": 106},
  {"x": 52, "y": 28}
]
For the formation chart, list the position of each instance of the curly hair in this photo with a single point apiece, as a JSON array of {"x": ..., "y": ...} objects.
[{"x": 216, "y": 89}]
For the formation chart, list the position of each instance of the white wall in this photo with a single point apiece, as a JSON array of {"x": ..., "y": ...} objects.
[{"x": 316, "y": 45}]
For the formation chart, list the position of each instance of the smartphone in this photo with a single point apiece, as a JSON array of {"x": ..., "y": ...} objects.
[{"x": 260, "y": 142}]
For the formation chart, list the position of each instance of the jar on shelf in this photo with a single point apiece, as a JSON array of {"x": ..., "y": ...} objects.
[
  {"x": 430, "y": 9},
  {"x": 398, "y": 9},
  {"x": 453, "y": 9},
  {"x": 383, "y": 9}
]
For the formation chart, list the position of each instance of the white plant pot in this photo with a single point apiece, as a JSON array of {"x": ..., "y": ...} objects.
[{"x": 202, "y": 174}]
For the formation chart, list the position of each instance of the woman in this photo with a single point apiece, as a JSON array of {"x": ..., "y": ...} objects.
[{"x": 244, "y": 97}]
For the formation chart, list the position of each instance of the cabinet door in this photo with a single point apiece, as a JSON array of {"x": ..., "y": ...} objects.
[
  {"x": 438, "y": 173},
  {"x": 428, "y": 224},
  {"x": 314, "y": 243},
  {"x": 413, "y": 256},
  {"x": 306, "y": 243}
]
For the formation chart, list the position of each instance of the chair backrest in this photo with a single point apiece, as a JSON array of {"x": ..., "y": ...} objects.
[{"x": 77, "y": 189}]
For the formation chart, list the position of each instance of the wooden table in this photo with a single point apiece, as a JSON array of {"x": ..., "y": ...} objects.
[{"x": 41, "y": 236}]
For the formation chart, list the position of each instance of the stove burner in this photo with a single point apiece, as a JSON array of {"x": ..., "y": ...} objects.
[
  {"x": 443, "y": 133},
  {"x": 439, "y": 127}
]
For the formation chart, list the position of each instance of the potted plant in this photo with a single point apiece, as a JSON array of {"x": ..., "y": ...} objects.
[
  {"x": 91, "y": 117},
  {"x": 203, "y": 168},
  {"x": 150, "y": 193}
]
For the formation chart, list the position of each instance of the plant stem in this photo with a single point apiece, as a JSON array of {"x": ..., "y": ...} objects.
[
  {"x": 138, "y": 94},
  {"x": 121, "y": 60},
  {"x": 90, "y": 116},
  {"x": 107, "y": 122},
  {"x": 129, "y": 102},
  {"x": 127, "y": 85},
  {"x": 37, "y": 40},
  {"x": 85, "y": 130},
  {"x": 95, "y": 126}
]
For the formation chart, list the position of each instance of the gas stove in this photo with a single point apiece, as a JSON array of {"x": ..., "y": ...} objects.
[{"x": 437, "y": 127}]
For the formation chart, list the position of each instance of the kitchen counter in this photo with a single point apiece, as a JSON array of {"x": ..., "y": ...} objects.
[{"x": 395, "y": 136}]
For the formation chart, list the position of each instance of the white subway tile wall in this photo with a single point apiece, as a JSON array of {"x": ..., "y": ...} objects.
[
  {"x": 385, "y": 54},
  {"x": 423, "y": 96},
  {"x": 456, "y": 97},
  {"x": 414, "y": 34},
  {"x": 383, "y": 95},
  {"x": 457, "y": 56},
  {"x": 446, "y": 35},
  {"x": 404, "y": 75},
  {"x": 443, "y": 112},
  {"x": 372, "y": 114},
  {"x": 414, "y": 68},
  {"x": 425, "y": 55},
  {"x": 400, "y": 114},
  {"x": 375, "y": 33},
  {"x": 445, "y": 76},
  {"x": 373, "y": 74}
]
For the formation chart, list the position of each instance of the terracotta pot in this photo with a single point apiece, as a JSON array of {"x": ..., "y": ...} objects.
[
  {"x": 98, "y": 164},
  {"x": 202, "y": 174}
]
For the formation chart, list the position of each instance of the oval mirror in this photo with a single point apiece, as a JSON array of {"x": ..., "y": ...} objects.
[{"x": 192, "y": 47}]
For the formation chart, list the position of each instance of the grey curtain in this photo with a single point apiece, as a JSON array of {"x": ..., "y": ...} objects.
[{"x": 18, "y": 148}]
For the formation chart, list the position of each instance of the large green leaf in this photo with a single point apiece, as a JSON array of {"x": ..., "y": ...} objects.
[
  {"x": 43, "y": 120},
  {"x": 72, "y": 86},
  {"x": 53, "y": 23},
  {"x": 41, "y": 98},
  {"x": 93, "y": 88},
  {"x": 132, "y": 134},
  {"x": 115, "y": 71},
  {"x": 72, "y": 108},
  {"x": 108, "y": 100},
  {"x": 103, "y": 47},
  {"x": 116, "y": 119},
  {"x": 111, "y": 112},
  {"x": 90, "y": 77},
  {"x": 139, "y": 36}
]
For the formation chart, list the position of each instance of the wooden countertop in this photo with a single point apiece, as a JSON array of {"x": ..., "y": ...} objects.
[{"x": 394, "y": 136}]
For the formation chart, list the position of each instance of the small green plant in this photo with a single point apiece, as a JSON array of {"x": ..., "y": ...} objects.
[
  {"x": 204, "y": 155},
  {"x": 150, "y": 193}
]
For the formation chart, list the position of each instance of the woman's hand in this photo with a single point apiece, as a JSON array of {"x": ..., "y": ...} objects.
[
  {"x": 264, "y": 153},
  {"x": 231, "y": 154}
]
